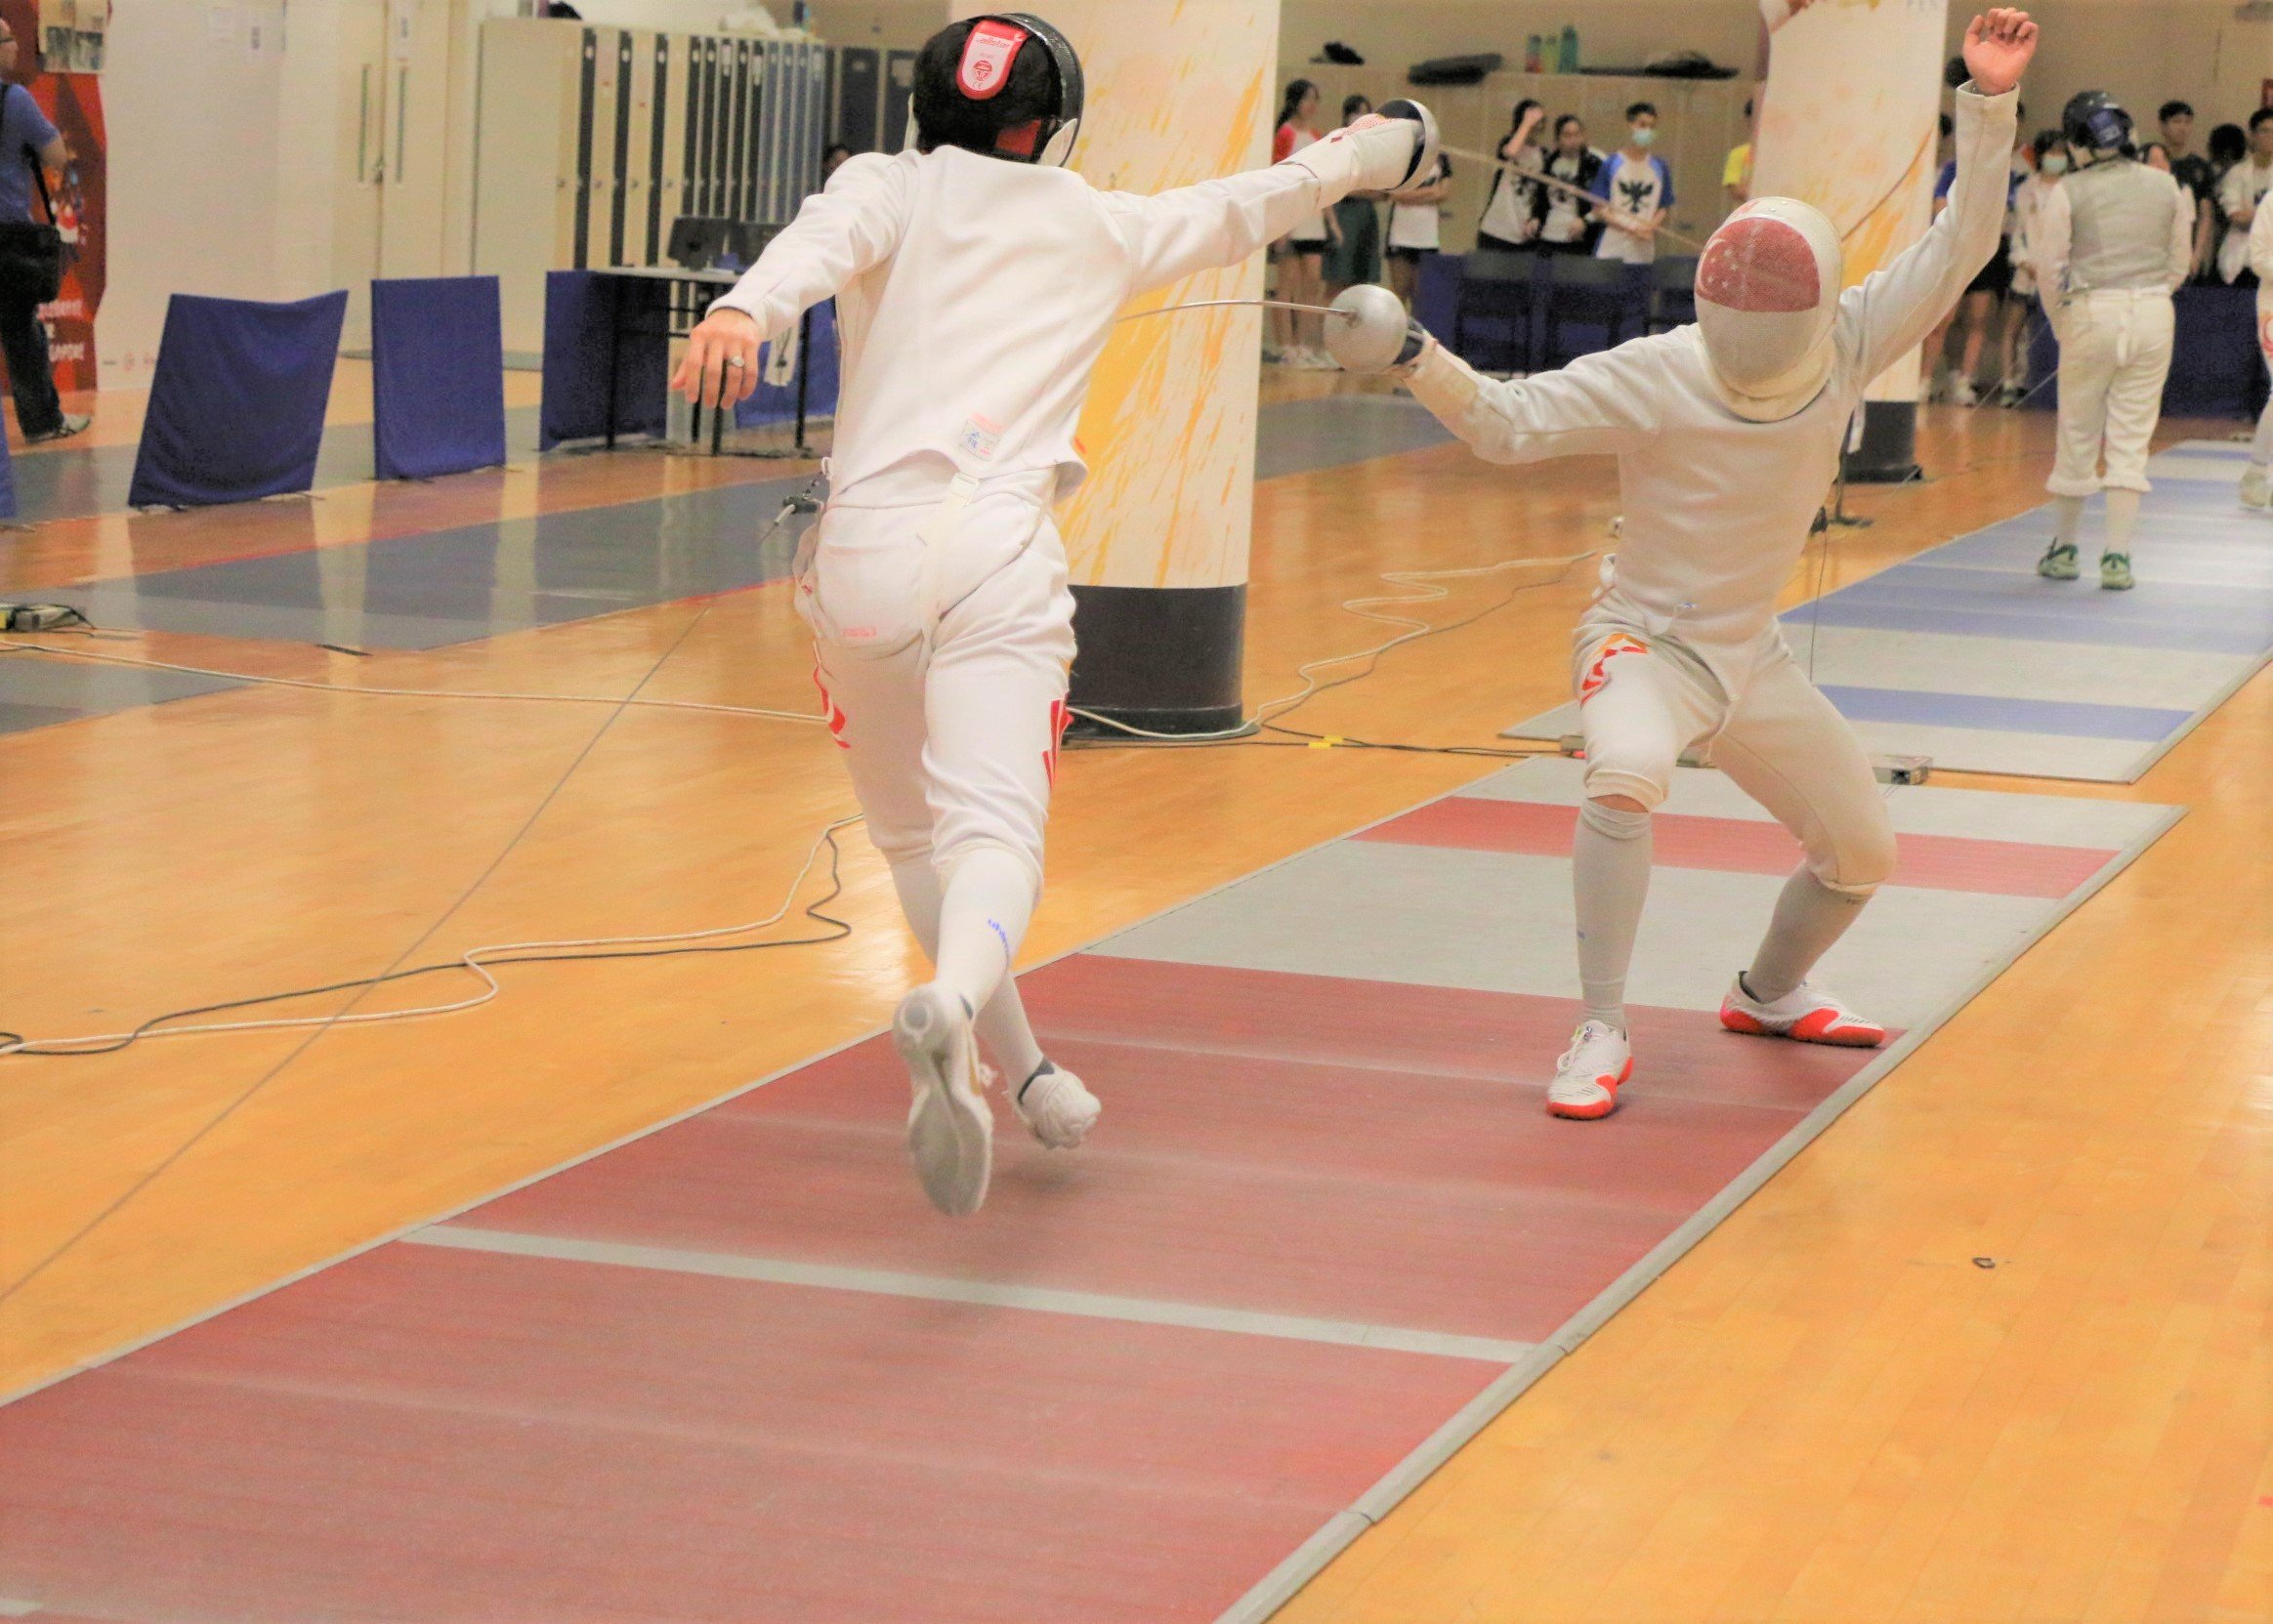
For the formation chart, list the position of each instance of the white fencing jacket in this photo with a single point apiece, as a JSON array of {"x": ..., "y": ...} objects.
[
  {"x": 1718, "y": 508},
  {"x": 975, "y": 295}
]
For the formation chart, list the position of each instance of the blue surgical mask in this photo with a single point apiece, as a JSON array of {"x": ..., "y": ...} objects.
[
  {"x": 1642, "y": 134},
  {"x": 2053, "y": 163}
]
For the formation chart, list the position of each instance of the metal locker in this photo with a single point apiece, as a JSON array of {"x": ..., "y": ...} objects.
[
  {"x": 899, "y": 94},
  {"x": 859, "y": 105},
  {"x": 654, "y": 165},
  {"x": 600, "y": 147},
  {"x": 702, "y": 126}
]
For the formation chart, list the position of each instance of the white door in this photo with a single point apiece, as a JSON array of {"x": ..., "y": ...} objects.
[
  {"x": 360, "y": 147},
  {"x": 392, "y": 140}
]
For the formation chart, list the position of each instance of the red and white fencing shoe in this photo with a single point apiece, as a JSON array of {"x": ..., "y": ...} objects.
[
  {"x": 1806, "y": 1012},
  {"x": 1588, "y": 1076}
]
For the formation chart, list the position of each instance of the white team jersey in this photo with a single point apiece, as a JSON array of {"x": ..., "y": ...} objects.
[
  {"x": 975, "y": 295},
  {"x": 1717, "y": 508}
]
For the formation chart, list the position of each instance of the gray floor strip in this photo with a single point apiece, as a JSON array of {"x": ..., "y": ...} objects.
[
  {"x": 1279, "y": 1587},
  {"x": 991, "y": 1294}
]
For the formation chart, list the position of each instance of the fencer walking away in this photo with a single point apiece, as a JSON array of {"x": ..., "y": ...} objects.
[
  {"x": 2112, "y": 242},
  {"x": 976, "y": 280},
  {"x": 2257, "y": 477},
  {"x": 1727, "y": 434}
]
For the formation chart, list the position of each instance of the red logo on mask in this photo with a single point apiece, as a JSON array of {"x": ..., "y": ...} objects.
[
  {"x": 988, "y": 54},
  {"x": 1760, "y": 265}
]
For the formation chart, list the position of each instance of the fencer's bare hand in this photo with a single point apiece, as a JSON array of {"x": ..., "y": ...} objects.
[
  {"x": 1998, "y": 44},
  {"x": 719, "y": 367}
]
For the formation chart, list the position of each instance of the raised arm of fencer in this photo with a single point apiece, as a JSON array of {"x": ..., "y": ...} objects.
[
  {"x": 1173, "y": 234},
  {"x": 1892, "y": 310},
  {"x": 852, "y": 224}
]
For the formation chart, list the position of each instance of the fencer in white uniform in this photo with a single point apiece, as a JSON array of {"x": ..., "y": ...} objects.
[
  {"x": 977, "y": 281},
  {"x": 2257, "y": 477},
  {"x": 1727, "y": 435},
  {"x": 2110, "y": 243}
]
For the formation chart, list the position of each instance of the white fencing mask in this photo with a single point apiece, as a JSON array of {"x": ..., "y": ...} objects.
[{"x": 1767, "y": 294}]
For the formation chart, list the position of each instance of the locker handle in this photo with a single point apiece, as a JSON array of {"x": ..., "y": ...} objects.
[
  {"x": 364, "y": 130},
  {"x": 401, "y": 115}
]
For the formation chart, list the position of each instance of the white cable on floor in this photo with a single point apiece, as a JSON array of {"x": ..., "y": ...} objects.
[
  {"x": 471, "y": 959},
  {"x": 1365, "y": 608},
  {"x": 61, "y": 653}
]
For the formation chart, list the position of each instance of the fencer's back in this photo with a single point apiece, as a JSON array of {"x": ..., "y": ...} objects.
[
  {"x": 970, "y": 346},
  {"x": 2121, "y": 215}
]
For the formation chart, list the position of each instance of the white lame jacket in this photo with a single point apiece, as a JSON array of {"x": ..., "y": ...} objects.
[
  {"x": 975, "y": 295},
  {"x": 1718, "y": 508}
]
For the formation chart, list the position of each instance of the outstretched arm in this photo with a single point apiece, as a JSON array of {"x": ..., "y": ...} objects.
[
  {"x": 1898, "y": 305},
  {"x": 841, "y": 232},
  {"x": 1600, "y": 404},
  {"x": 1173, "y": 234}
]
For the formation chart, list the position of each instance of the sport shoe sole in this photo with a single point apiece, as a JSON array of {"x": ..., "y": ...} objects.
[
  {"x": 1817, "y": 1027},
  {"x": 950, "y": 1133}
]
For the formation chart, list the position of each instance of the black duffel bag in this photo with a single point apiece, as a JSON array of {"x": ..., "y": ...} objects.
[{"x": 31, "y": 254}]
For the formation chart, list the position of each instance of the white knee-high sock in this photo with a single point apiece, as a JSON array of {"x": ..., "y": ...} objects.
[
  {"x": 1610, "y": 879},
  {"x": 984, "y": 911},
  {"x": 1809, "y": 917},
  {"x": 2123, "y": 514},
  {"x": 2067, "y": 518},
  {"x": 1001, "y": 1022}
]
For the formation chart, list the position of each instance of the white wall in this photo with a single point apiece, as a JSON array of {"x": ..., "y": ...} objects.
[{"x": 198, "y": 192}]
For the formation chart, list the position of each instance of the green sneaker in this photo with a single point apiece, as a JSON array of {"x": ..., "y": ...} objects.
[
  {"x": 2115, "y": 571},
  {"x": 2058, "y": 563}
]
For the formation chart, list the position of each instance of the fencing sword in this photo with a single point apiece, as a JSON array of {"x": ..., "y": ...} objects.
[{"x": 1558, "y": 183}]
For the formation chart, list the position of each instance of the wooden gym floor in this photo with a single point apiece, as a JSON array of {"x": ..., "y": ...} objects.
[{"x": 1998, "y": 1345}]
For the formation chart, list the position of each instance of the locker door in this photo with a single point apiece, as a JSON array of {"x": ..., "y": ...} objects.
[
  {"x": 630, "y": 116},
  {"x": 653, "y": 222},
  {"x": 860, "y": 109},
  {"x": 899, "y": 92},
  {"x": 587, "y": 90},
  {"x": 600, "y": 146},
  {"x": 738, "y": 165},
  {"x": 703, "y": 198}
]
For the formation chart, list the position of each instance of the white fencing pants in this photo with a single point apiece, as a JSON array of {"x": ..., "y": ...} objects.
[
  {"x": 952, "y": 742},
  {"x": 1643, "y": 701},
  {"x": 2114, "y": 357}
]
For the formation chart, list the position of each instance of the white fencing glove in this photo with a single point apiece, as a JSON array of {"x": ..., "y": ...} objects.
[{"x": 1389, "y": 151}]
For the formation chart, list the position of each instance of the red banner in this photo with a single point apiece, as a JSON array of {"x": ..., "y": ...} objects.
[{"x": 73, "y": 102}]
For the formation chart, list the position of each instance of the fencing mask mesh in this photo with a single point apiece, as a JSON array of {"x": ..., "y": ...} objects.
[{"x": 1767, "y": 294}]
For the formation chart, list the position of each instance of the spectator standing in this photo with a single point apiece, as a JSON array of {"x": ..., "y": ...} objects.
[
  {"x": 1416, "y": 229},
  {"x": 2193, "y": 172},
  {"x": 2238, "y": 195},
  {"x": 1637, "y": 190},
  {"x": 2257, "y": 477},
  {"x": 1352, "y": 250},
  {"x": 29, "y": 145},
  {"x": 1736, "y": 175},
  {"x": 1512, "y": 213},
  {"x": 2048, "y": 154},
  {"x": 832, "y": 160},
  {"x": 1567, "y": 222},
  {"x": 1301, "y": 253}
]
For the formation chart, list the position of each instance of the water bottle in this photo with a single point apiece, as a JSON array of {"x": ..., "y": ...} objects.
[
  {"x": 1569, "y": 52},
  {"x": 1535, "y": 55}
]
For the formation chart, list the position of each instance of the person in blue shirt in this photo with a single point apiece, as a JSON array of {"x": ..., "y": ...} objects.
[
  {"x": 27, "y": 138},
  {"x": 1637, "y": 190},
  {"x": 1983, "y": 313}
]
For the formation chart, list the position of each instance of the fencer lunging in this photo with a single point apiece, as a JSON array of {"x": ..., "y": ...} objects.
[
  {"x": 976, "y": 280},
  {"x": 1727, "y": 432},
  {"x": 2111, "y": 242}
]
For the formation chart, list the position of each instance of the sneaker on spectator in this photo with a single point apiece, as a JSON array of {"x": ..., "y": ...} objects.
[
  {"x": 73, "y": 423},
  {"x": 1964, "y": 393}
]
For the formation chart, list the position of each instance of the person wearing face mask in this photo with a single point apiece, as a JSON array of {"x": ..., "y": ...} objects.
[
  {"x": 1727, "y": 435},
  {"x": 1566, "y": 225},
  {"x": 2048, "y": 154},
  {"x": 1637, "y": 192}
]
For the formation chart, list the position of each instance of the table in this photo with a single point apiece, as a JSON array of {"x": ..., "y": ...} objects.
[{"x": 686, "y": 296}]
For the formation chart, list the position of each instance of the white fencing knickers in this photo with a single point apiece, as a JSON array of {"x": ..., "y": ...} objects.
[
  {"x": 1644, "y": 699},
  {"x": 952, "y": 740},
  {"x": 2115, "y": 356}
]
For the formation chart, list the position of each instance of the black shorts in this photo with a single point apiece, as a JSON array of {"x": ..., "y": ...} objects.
[
  {"x": 1996, "y": 276},
  {"x": 1498, "y": 245},
  {"x": 1410, "y": 256},
  {"x": 1288, "y": 248}
]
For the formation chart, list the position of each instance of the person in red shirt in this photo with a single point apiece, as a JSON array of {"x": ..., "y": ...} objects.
[{"x": 1300, "y": 340}]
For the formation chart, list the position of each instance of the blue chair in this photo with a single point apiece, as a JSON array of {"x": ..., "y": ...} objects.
[
  {"x": 1583, "y": 294},
  {"x": 1672, "y": 293},
  {"x": 1496, "y": 317}
]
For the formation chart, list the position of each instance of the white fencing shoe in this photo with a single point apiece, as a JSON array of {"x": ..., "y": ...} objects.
[
  {"x": 1057, "y": 1106},
  {"x": 1806, "y": 1012},
  {"x": 950, "y": 1131},
  {"x": 1588, "y": 1076}
]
